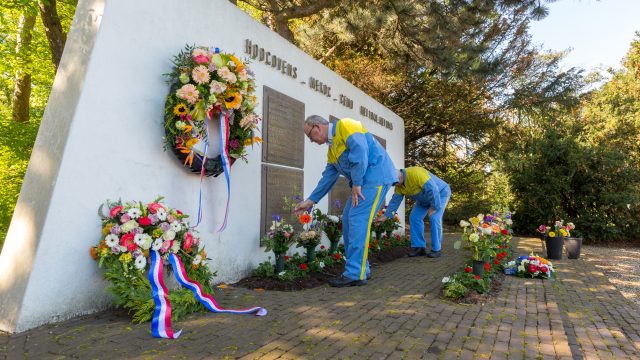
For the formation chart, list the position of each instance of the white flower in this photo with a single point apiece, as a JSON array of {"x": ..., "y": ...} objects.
[
  {"x": 281, "y": 273},
  {"x": 141, "y": 262},
  {"x": 157, "y": 244},
  {"x": 474, "y": 237},
  {"x": 242, "y": 75},
  {"x": 162, "y": 214},
  {"x": 333, "y": 218},
  {"x": 128, "y": 226},
  {"x": 487, "y": 230},
  {"x": 175, "y": 226},
  {"x": 134, "y": 213},
  {"x": 511, "y": 263},
  {"x": 446, "y": 279},
  {"x": 508, "y": 221},
  {"x": 111, "y": 240},
  {"x": 227, "y": 75},
  {"x": 464, "y": 223},
  {"x": 216, "y": 87},
  {"x": 175, "y": 247},
  {"x": 146, "y": 241},
  {"x": 321, "y": 264},
  {"x": 199, "y": 51},
  {"x": 139, "y": 239},
  {"x": 197, "y": 260},
  {"x": 169, "y": 235},
  {"x": 122, "y": 248}
]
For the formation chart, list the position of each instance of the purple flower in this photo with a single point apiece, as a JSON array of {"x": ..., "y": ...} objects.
[
  {"x": 165, "y": 226},
  {"x": 154, "y": 218},
  {"x": 276, "y": 217},
  {"x": 337, "y": 204},
  {"x": 125, "y": 218},
  {"x": 115, "y": 250},
  {"x": 138, "y": 230},
  {"x": 234, "y": 144},
  {"x": 136, "y": 253},
  {"x": 115, "y": 229}
]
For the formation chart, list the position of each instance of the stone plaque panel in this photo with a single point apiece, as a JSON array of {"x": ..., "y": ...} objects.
[
  {"x": 282, "y": 129},
  {"x": 278, "y": 182}
]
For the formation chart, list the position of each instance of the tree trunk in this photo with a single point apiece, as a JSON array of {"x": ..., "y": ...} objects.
[
  {"x": 282, "y": 28},
  {"x": 53, "y": 29},
  {"x": 234, "y": 2},
  {"x": 22, "y": 88}
]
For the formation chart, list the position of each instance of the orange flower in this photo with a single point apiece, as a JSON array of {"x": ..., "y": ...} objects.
[
  {"x": 94, "y": 253},
  {"x": 305, "y": 218}
]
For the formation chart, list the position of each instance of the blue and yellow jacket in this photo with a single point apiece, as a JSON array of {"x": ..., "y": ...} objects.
[
  {"x": 422, "y": 186},
  {"x": 358, "y": 156}
]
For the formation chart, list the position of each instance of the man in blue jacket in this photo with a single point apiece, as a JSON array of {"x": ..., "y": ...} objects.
[
  {"x": 431, "y": 196},
  {"x": 357, "y": 155}
]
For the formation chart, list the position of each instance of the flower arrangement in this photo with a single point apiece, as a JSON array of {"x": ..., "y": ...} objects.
[
  {"x": 278, "y": 239},
  {"x": 559, "y": 229},
  {"x": 205, "y": 83},
  {"x": 129, "y": 232},
  {"x": 310, "y": 236},
  {"x": 530, "y": 266},
  {"x": 331, "y": 225},
  {"x": 485, "y": 234},
  {"x": 386, "y": 226}
]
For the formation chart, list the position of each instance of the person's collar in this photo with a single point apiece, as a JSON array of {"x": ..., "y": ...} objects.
[{"x": 330, "y": 133}]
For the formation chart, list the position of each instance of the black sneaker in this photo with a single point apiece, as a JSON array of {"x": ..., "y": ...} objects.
[
  {"x": 418, "y": 252},
  {"x": 434, "y": 254},
  {"x": 343, "y": 281}
]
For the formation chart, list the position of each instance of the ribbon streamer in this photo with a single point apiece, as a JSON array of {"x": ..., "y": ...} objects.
[
  {"x": 161, "y": 322},
  {"x": 226, "y": 164}
]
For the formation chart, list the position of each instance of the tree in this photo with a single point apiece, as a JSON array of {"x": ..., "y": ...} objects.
[
  {"x": 53, "y": 28},
  {"x": 22, "y": 87}
]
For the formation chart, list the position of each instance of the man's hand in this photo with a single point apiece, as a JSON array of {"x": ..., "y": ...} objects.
[
  {"x": 381, "y": 218},
  {"x": 302, "y": 206},
  {"x": 431, "y": 211},
  {"x": 356, "y": 192}
]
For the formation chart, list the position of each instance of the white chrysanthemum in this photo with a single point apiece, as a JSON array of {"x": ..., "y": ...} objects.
[
  {"x": 197, "y": 260},
  {"x": 141, "y": 262},
  {"x": 157, "y": 244},
  {"x": 162, "y": 214},
  {"x": 134, "y": 213},
  {"x": 175, "y": 226},
  {"x": 147, "y": 240},
  {"x": 169, "y": 235},
  {"x": 111, "y": 240},
  {"x": 175, "y": 247},
  {"x": 446, "y": 279},
  {"x": 321, "y": 265},
  {"x": 333, "y": 218},
  {"x": 139, "y": 239},
  {"x": 217, "y": 87},
  {"x": 474, "y": 237},
  {"x": 464, "y": 223},
  {"x": 129, "y": 226}
]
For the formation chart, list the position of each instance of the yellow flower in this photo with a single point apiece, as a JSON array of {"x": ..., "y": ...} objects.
[
  {"x": 104, "y": 251},
  {"x": 552, "y": 234},
  {"x": 106, "y": 229},
  {"x": 249, "y": 141},
  {"x": 563, "y": 232},
  {"x": 191, "y": 142},
  {"x": 475, "y": 221},
  {"x": 125, "y": 258},
  {"x": 180, "y": 110},
  {"x": 239, "y": 64},
  {"x": 233, "y": 101}
]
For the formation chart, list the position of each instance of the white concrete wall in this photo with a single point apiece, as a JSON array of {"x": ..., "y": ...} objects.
[{"x": 110, "y": 97}]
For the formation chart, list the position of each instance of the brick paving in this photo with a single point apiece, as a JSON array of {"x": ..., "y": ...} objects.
[{"x": 397, "y": 315}]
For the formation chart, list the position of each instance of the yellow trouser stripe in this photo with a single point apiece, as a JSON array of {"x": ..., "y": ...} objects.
[{"x": 366, "y": 244}]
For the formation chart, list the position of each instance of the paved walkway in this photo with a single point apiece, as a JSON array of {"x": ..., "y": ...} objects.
[{"x": 399, "y": 314}]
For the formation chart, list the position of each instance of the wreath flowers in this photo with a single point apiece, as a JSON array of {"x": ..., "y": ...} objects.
[
  {"x": 129, "y": 233},
  {"x": 207, "y": 83}
]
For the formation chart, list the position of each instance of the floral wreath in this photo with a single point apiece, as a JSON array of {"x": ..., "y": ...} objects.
[{"x": 205, "y": 83}]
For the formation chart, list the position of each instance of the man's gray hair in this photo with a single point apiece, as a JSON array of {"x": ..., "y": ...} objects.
[{"x": 315, "y": 120}]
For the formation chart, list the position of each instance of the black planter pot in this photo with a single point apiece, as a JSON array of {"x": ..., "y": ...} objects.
[
  {"x": 478, "y": 267},
  {"x": 554, "y": 247},
  {"x": 573, "y": 246}
]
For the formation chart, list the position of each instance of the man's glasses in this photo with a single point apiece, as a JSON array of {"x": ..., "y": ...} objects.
[{"x": 309, "y": 133}]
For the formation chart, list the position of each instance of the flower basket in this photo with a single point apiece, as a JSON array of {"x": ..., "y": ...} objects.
[
  {"x": 554, "y": 247},
  {"x": 573, "y": 246}
]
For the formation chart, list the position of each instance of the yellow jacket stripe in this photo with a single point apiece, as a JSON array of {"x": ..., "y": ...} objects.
[
  {"x": 414, "y": 179},
  {"x": 344, "y": 128},
  {"x": 366, "y": 244}
]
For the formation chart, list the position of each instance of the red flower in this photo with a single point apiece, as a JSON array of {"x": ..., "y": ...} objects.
[
  {"x": 303, "y": 267},
  {"x": 496, "y": 261},
  {"x": 201, "y": 59},
  {"x": 304, "y": 218},
  {"x": 178, "y": 212},
  {"x": 286, "y": 258},
  {"x": 144, "y": 221},
  {"x": 337, "y": 256},
  {"x": 532, "y": 268},
  {"x": 477, "y": 277},
  {"x": 505, "y": 232},
  {"x": 127, "y": 240},
  {"x": 468, "y": 269},
  {"x": 544, "y": 269},
  {"x": 340, "y": 226},
  {"x": 322, "y": 247},
  {"x": 115, "y": 211},
  {"x": 153, "y": 207},
  {"x": 188, "y": 241},
  {"x": 487, "y": 266},
  {"x": 499, "y": 246}
]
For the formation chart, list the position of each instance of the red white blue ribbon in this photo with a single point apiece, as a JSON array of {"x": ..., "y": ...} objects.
[
  {"x": 161, "y": 322},
  {"x": 204, "y": 159},
  {"x": 226, "y": 164}
]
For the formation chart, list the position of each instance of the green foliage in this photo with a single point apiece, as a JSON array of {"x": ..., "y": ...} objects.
[{"x": 264, "y": 269}]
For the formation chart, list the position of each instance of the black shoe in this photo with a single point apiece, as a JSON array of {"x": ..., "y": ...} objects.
[
  {"x": 418, "y": 252},
  {"x": 343, "y": 281},
  {"x": 434, "y": 254}
]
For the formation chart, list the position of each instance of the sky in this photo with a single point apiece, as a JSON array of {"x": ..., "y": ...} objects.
[{"x": 598, "y": 32}]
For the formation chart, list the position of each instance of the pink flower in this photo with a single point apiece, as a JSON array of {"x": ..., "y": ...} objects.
[
  {"x": 127, "y": 240},
  {"x": 201, "y": 59},
  {"x": 166, "y": 245},
  {"x": 144, "y": 221},
  {"x": 189, "y": 93},
  {"x": 115, "y": 211},
  {"x": 153, "y": 207},
  {"x": 188, "y": 241}
]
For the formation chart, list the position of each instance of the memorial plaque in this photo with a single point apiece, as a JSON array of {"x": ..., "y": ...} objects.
[
  {"x": 340, "y": 192},
  {"x": 282, "y": 129},
  {"x": 382, "y": 141},
  {"x": 278, "y": 182}
]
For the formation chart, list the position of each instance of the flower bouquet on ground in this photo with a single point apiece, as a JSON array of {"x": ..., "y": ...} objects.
[
  {"x": 309, "y": 237},
  {"x": 278, "y": 239},
  {"x": 530, "y": 266},
  {"x": 553, "y": 237},
  {"x": 331, "y": 225},
  {"x": 129, "y": 233},
  {"x": 387, "y": 226}
]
